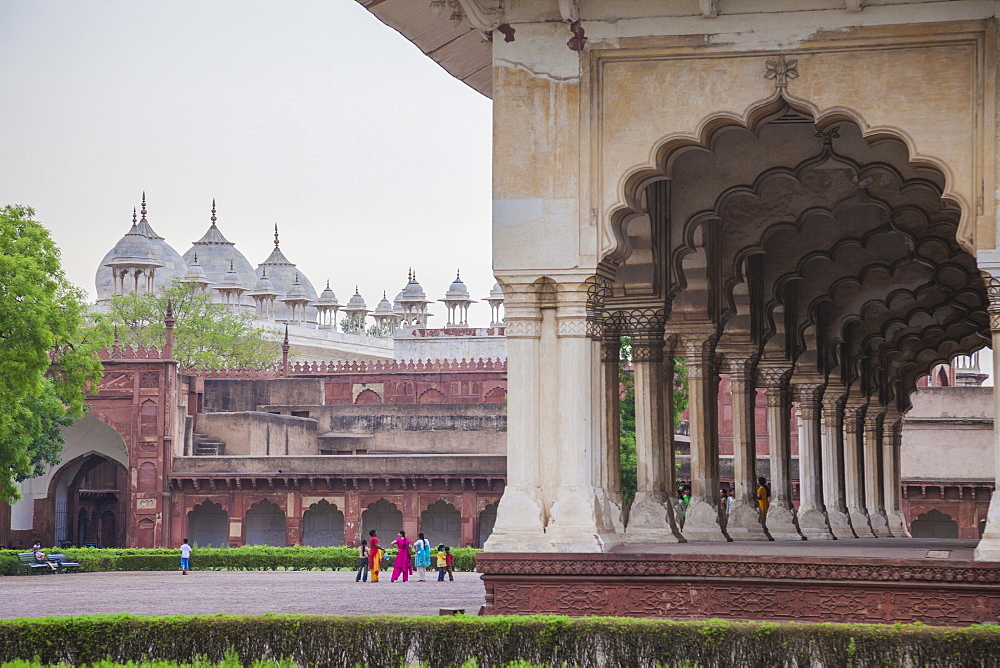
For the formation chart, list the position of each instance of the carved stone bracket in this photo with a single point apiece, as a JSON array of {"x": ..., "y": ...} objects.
[
  {"x": 873, "y": 419},
  {"x": 485, "y": 16}
]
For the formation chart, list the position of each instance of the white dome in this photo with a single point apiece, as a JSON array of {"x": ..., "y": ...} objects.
[
  {"x": 283, "y": 274},
  {"x": 172, "y": 266},
  {"x": 357, "y": 300},
  {"x": 217, "y": 255}
]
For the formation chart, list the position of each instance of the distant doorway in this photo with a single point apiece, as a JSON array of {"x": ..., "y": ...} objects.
[
  {"x": 934, "y": 524},
  {"x": 323, "y": 525},
  {"x": 266, "y": 525},
  {"x": 385, "y": 518},
  {"x": 442, "y": 523},
  {"x": 208, "y": 525}
]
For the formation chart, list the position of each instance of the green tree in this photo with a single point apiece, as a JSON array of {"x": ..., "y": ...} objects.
[
  {"x": 48, "y": 351},
  {"x": 205, "y": 334},
  {"x": 627, "y": 410}
]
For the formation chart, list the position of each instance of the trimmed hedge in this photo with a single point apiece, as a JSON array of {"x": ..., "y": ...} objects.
[
  {"x": 491, "y": 641},
  {"x": 251, "y": 558}
]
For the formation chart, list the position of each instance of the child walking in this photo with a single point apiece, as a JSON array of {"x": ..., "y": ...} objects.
[
  {"x": 185, "y": 557},
  {"x": 442, "y": 562},
  {"x": 362, "y": 562},
  {"x": 449, "y": 560}
]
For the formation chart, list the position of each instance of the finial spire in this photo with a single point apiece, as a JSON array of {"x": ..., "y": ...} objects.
[
  {"x": 195, "y": 259},
  {"x": 133, "y": 216},
  {"x": 231, "y": 267},
  {"x": 458, "y": 274},
  {"x": 328, "y": 284},
  {"x": 143, "y": 209},
  {"x": 409, "y": 275},
  {"x": 276, "y": 247},
  {"x": 213, "y": 212}
]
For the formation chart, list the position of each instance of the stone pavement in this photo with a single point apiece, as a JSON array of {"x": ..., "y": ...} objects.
[{"x": 236, "y": 592}]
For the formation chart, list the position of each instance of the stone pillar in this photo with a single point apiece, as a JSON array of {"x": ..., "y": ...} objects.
[
  {"x": 892, "y": 486},
  {"x": 648, "y": 516},
  {"x": 781, "y": 519},
  {"x": 669, "y": 446},
  {"x": 701, "y": 521},
  {"x": 813, "y": 522},
  {"x": 520, "y": 525},
  {"x": 854, "y": 417},
  {"x": 611, "y": 424},
  {"x": 832, "y": 445},
  {"x": 989, "y": 545},
  {"x": 745, "y": 521},
  {"x": 873, "y": 474},
  {"x": 576, "y": 520}
]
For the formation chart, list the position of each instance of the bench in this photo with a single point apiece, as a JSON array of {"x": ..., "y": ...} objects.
[
  {"x": 64, "y": 564},
  {"x": 30, "y": 565}
]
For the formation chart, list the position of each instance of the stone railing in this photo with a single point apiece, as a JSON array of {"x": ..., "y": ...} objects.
[{"x": 351, "y": 368}]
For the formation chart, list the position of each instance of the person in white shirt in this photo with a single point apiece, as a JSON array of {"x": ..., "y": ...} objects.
[{"x": 185, "y": 557}]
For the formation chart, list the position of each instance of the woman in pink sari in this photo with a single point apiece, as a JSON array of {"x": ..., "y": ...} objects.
[{"x": 402, "y": 562}]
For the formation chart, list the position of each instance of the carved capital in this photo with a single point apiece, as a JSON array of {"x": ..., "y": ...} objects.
[
  {"x": 572, "y": 327},
  {"x": 522, "y": 329},
  {"x": 809, "y": 397},
  {"x": 640, "y": 323},
  {"x": 742, "y": 370},
  {"x": 611, "y": 350},
  {"x": 873, "y": 420},
  {"x": 647, "y": 351},
  {"x": 773, "y": 377}
]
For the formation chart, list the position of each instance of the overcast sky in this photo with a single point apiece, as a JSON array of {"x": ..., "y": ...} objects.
[{"x": 311, "y": 114}]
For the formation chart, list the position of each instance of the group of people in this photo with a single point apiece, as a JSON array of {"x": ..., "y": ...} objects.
[
  {"x": 726, "y": 498},
  {"x": 411, "y": 557}
]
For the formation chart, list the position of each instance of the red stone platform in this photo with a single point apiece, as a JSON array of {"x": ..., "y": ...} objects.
[{"x": 833, "y": 585}]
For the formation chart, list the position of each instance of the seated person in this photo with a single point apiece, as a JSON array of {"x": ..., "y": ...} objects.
[{"x": 42, "y": 559}]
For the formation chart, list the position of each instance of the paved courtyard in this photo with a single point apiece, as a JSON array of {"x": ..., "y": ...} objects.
[{"x": 236, "y": 592}]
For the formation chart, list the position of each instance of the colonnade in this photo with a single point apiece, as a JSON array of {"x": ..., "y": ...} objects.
[{"x": 564, "y": 489}]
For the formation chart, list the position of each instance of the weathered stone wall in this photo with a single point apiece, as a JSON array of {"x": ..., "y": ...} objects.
[
  {"x": 257, "y": 434},
  {"x": 247, "y": 395},
  {"x": 948, "y": 435},
  {"x": 408, "y": 428}
]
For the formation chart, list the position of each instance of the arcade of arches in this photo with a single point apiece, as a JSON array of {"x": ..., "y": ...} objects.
[{"x": 776, "y": 224}]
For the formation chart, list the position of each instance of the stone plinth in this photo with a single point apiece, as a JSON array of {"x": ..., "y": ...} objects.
[{"x": 742, "y": 587}]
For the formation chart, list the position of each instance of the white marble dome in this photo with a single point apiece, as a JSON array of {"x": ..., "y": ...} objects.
[
  {"x": 172, "y": 265},
  {"x": 216, "y": 255},
  {"x": 284, "y": 274}
]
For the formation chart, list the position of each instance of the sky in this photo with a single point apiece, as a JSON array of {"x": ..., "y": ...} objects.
[{"x": 310, "y": 114}]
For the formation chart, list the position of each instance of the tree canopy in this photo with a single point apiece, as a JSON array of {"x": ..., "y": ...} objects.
[
  {"x": 48, "y": 349},
  {"x": 205, "y": 334}
]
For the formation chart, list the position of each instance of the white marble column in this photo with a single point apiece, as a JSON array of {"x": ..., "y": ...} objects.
[
  {"x": 611, "y": 425},
  {"x": 781, "y": 519},
  {"x": 669, "y": 446},
  {"x": 745, "y": 521},
  {"x": 520, "y": 523},
  {"x": 576, "y": 518},
  {"x": 701, "y": 522},
  {"x": 832, "y": 438},
  {"x": 854, "y": 415},
  {"x": 892, "y": 488},
  {"x": 648, "y": 519},
  {"x": 989, "y": 545},
  {"x": 874, "y": 477},
  {"x": 812, "y": 517}
]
